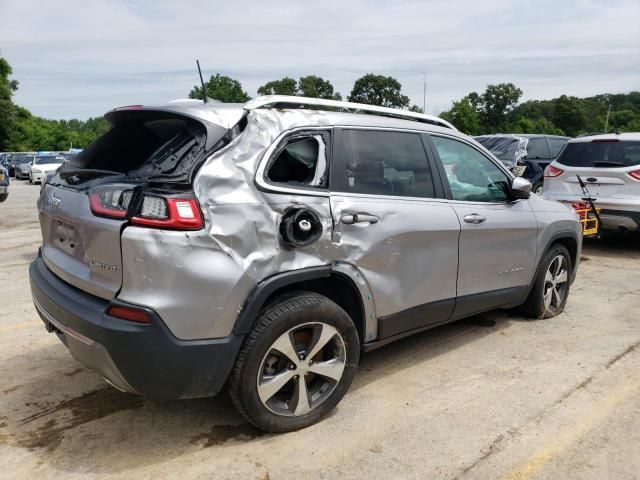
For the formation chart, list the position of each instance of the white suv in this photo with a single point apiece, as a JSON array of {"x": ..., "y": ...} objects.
[{"x": 609, "y": 165}]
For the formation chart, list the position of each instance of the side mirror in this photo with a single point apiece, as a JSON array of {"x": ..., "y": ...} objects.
[{"x": 520, "y": 188}]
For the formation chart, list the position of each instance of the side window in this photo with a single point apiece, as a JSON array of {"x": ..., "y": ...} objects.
[
  {"x": 386, "y": 163},
  {"x": 555, "y": 145},
  {"x": 537, "y": 148},
  {"x": 301, "y": 161},
  {"x": 471, "y": 175}
]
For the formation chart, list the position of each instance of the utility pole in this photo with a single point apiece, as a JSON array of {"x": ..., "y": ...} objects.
[
  {"x": 424, "y": 93},
  {"x": 606, "y": 123}
]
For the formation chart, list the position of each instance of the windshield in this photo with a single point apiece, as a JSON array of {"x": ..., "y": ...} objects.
[
  {"x": 601, "y": 154},
  {"x": 26, "y": 159},
  {"x": 44, "y": 160},
  {"x": 504, "y": 148}
]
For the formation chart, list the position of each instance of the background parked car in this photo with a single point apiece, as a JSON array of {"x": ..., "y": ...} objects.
[
  {"x": 511, "y": 150},
  {"x": 44, "y": 164},
  {"x": 4, "y": 183},
  {"x": 12, "y": 160},
  {"x": 22, "y": 166},
  {"x": 609, "y": 165},
  {"x": 524, "y": 154}
]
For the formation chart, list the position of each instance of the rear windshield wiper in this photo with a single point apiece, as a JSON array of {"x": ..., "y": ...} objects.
[
  {"x": 86, "y": 172},
  {"x": 606, "y": 163}
]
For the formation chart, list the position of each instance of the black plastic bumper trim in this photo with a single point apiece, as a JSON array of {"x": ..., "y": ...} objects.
[{"x": 145, "y": 359}]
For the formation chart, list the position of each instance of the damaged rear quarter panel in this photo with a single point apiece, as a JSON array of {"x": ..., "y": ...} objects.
[{"x": 199, "y": 281}]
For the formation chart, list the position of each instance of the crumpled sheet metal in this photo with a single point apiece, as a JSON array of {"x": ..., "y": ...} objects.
[{"x": 244, "y": 220}]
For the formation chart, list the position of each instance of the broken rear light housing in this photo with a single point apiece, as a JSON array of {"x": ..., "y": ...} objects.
[{"x": 148, "y": 209}]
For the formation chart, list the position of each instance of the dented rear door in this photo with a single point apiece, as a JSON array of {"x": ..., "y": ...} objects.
[{"x": 390, "y": 223}]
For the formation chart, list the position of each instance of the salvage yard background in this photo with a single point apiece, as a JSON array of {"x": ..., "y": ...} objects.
[{"x": 495, "y": 396}]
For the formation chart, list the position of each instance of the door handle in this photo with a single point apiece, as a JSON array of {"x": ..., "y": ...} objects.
[
  {"x": 474, "y": 218},
  {"x": 351, "y": 218}
]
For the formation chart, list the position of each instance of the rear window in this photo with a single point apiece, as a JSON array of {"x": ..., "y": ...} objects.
[
  {"x": 147, "y": 144},
  {"x": 537, "y": 148},
  {"x": 601, "y": 154},
  {"x": 46, "y": 160}
]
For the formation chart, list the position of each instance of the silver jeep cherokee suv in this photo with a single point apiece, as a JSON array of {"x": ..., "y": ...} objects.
[{"x": 269, "y": 244}]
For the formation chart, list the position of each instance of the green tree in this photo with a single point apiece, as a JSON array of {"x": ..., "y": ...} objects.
[
  {"x": 569, "y": 115},
  {"x": 7, "y": 108},
  {"x": 222, "y": 88},
  {"x": 464, "y": 116},
  {"x": 416, "y": 108},
  {"x": 495, "y": 106},
  {"x": 285, "y": 86},
  {"x": 374, "y": 89},
  {"x": 534, "y": 125},
  {"x": 316, "y": 87}
]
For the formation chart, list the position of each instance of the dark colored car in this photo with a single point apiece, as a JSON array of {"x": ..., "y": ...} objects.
[
  {"x": 4, "y": 183},
  {"x": 525, "y": 155},
  {"x": 23, "y": 165}
]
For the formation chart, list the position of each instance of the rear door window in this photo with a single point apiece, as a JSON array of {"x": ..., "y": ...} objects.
[
  {"x": 537, "y": 148},
  {"x": 601, "y": 154},
  {"x": 385, "y": 163}
]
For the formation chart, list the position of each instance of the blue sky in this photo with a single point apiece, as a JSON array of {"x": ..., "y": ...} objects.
[{"x": 79, "y": 58}]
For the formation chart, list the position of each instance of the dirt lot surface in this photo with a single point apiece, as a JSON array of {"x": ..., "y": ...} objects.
[{"x": 492, "y": 397}]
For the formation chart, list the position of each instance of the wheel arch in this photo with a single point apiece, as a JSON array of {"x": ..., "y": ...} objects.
[
  {"x": 568, "y": 239},
  {"x": 337, "y": 285}
]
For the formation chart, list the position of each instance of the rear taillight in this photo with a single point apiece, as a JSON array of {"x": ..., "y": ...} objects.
[
  {"x": 178, "y": 213},
  {"x": 552, "y": 171},
  {"x": 110, "y": 201},
  {"x": 131, "y": 314},
  {"x": 635, "y": 174},
  {"x": 148, "y": 209}
]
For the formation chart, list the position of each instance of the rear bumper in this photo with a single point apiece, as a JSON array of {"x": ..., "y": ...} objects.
[
  {"x": 620, "y": 220},
  {"x": 143, "y": 359},
  {"x": 615, "y": 213}
]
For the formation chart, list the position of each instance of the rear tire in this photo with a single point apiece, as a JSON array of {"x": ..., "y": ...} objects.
[
  {"x": 552, "y": 282},
  {"x": 296, "y": 364}
]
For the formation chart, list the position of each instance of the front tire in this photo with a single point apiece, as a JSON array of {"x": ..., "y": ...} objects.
[
  {"x": 550, "y": 291},
  {"x": 296, "y": 364},
  {"x": 538, "y": 188}
]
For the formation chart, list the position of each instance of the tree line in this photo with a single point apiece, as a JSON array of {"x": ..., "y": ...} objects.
[
  {"x": 21, "y": 131},
  {"x": 497, "y": 109}
]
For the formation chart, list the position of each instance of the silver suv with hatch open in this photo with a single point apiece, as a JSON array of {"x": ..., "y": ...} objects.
[{"x": 268, "y": 245}]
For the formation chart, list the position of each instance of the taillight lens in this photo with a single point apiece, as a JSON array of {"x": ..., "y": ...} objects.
[
  {"x": 177, "y": 213},
  {"x": 149, "y": 209},
  {"x": 110, "y": 201},
  {"x": 635, "y": 174},
  {"x": 127, "y": 313},
  {"x": 552, "y": 171}
]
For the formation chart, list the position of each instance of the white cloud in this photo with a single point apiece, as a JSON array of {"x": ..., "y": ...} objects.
[{"x": 75, "y": 58}]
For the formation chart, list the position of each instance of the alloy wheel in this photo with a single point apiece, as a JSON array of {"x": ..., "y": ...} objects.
[
  {"x": 555, "y": 283},
  {"x": 301, "y": 369}
]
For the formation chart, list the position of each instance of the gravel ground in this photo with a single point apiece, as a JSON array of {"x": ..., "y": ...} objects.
[{"x": 495, "y": 396}]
